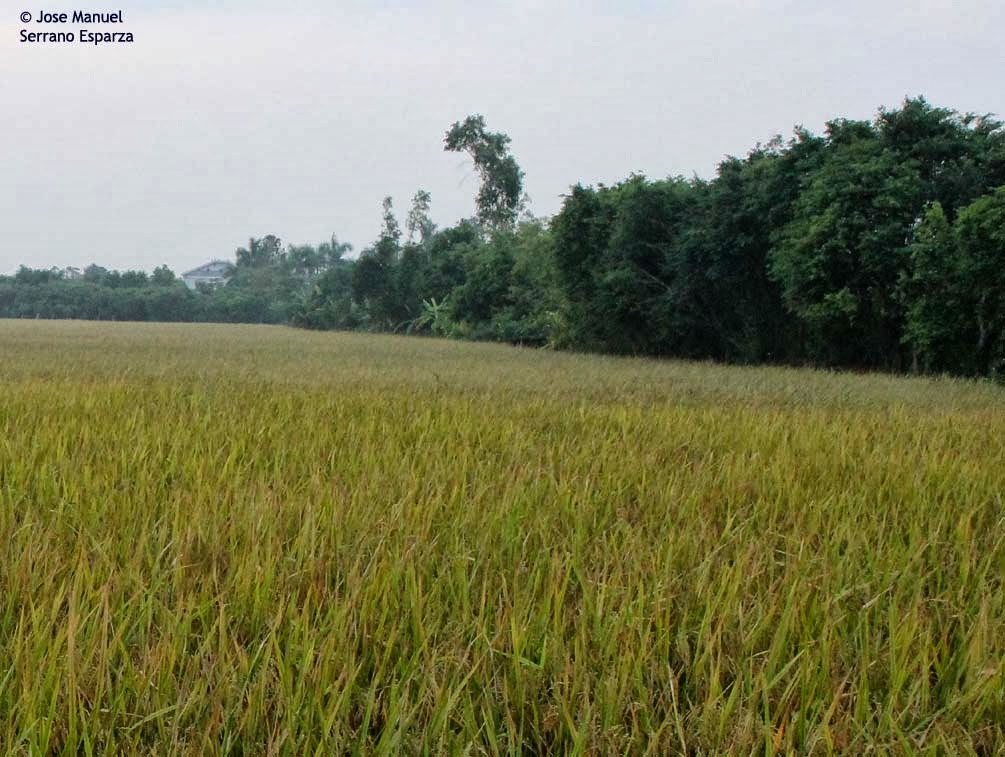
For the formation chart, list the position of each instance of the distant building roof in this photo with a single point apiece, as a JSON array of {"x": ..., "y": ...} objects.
[{"x": 212, "y": 269}]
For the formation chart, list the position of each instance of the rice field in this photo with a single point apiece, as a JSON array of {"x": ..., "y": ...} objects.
[{"x": 255, "y": 540}]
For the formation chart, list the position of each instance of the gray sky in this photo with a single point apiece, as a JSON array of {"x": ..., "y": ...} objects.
[{"x": 226, "y": 120}]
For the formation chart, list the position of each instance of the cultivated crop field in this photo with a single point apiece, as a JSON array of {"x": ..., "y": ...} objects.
[{"x": 242, "y": 540}]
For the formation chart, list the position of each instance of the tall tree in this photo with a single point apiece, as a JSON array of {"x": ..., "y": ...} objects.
[
  {"x": 260, "y": 252},
  {"x": 374, "y": 281},
  {"x": 163, "y": 276},
  {"x": 419, "y": 225},
  {"x": 501, "y": 192},
  {"x": 333, "y": 252}
]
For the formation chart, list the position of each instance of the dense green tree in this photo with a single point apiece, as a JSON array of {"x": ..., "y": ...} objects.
[
  {"x": 163, "y": 276},
  {"x": 932, "y": 291},
  {"x": 33, "y": 277},
  {"x": 840, "y": 258},
  {"x": 623, "y": 268},
  {"x": 646, "y": 288},
  {"x": 95, "y": 274},
  {"x": 582, "y": 230},
  {"x": 980, "y": 236},
  {"x": 733, "y": 301},
  {"x": 444, "y": 256},
  {"x": 133, "y": 279},
  {"x": 530, "y": 312},
  {"x": 486, "y": 286},
  {"x": 957, "y": 157},
  {"x": 329, "y": 304},
  {"x": 955, "y": 290}
]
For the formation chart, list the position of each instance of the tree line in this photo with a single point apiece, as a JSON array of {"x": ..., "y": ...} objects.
[{"x": 877, "y": 245}]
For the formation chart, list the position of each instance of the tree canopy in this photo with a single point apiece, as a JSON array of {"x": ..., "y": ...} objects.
[{"x": 876, "y": 245}]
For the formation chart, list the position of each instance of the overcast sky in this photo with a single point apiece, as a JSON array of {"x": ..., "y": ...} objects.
[{"x": 231, "y": 119}]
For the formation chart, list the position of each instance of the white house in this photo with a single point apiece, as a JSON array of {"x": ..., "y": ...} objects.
[
  {"x": 213, "y": 273},
  {"x": 70, "y": 273}
]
